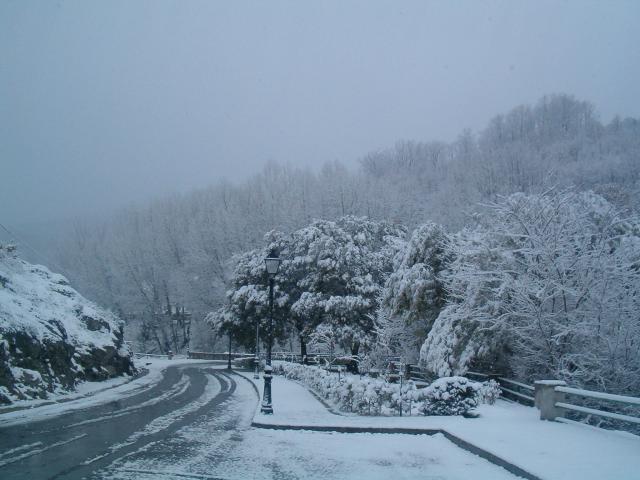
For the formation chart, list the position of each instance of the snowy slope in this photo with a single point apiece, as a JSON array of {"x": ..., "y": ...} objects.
[{"x": 50, "y": 336}]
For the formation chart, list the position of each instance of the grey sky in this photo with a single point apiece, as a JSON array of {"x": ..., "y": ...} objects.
[{"x": 104, "y": 103}]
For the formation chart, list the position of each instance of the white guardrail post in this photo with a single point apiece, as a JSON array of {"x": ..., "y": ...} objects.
[{"x": 546, "y": 398}]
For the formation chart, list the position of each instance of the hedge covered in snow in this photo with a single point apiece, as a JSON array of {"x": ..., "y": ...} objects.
[{"x": 373, "y": 396}]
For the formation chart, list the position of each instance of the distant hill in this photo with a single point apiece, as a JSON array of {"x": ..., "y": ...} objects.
[
  {"x": 51, "y": 338},
  {"x": 180, "y": 249}
]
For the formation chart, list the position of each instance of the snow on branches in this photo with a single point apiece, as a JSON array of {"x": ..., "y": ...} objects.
[
  {"x": 544, "y": 285},
  {"x": 331, "y": 274},
  {"x": 413, "y": 294},
  {"x": 549, "y": 285}
]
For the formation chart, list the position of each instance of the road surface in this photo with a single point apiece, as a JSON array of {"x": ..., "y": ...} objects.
[
  {"x": 76, "y": 444},
  {"x": 196, "y": 424}
]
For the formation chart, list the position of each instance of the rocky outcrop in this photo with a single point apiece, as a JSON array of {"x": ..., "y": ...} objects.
[{"x": 51, "y": 338}]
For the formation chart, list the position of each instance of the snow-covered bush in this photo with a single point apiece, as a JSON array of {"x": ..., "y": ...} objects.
[
  {"x": 374, "y": 396},
  {"x": 489, "y": 392},
  {"x": 451, "y": 396}
]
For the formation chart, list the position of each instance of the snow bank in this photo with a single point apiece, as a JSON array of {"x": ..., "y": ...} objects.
[
  {"x": 550, "y": 450},
  {"x": 51, "y": 337}
]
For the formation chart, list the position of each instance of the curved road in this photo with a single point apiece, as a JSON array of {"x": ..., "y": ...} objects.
[
  {"x": 196, "y": 424},
  {"x": 76, "y": 444}
]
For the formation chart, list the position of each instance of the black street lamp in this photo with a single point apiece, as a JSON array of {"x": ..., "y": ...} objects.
[
  {"x": 256, "y": 374},
  {"x": 272, "y": 264}
]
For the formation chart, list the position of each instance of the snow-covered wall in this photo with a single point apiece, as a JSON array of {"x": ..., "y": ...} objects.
[{"x": 51, "y": 337}]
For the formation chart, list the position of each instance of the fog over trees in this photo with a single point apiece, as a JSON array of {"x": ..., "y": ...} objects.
[
  {"x": 183, "y": 252},
  {"x": 223, "y": 218}
]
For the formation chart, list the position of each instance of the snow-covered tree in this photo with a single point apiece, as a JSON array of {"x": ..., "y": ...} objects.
[
  {"x": 550, "y": 285},
  {"x": 341, "y": 267},
  {"x": 247, "y": 303},
  {"x": 325, "y": 339},
  {"x": 331, "y": 274},
  {"x": 413, "y": 294},
  {"x": 181, "y": 246}
]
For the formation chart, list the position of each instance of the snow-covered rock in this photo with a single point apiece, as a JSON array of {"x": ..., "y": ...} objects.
[{"x": 51, "y": 338}]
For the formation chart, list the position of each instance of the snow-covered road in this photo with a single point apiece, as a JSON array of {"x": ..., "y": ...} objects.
[
  {"x": 81, "y": 440},
  {"x": 196, "y": 423}
]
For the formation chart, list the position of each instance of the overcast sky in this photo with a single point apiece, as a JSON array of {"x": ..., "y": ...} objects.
[{"x": 105, "y": 103}]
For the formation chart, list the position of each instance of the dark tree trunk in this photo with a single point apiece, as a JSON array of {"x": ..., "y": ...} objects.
[
  {"x": 157, "y": 338},
  {"x": 352, "y": 366}
]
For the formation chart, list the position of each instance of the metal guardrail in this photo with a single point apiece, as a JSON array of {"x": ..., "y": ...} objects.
[
  {"x": 518, "y": 394},
  {"x": 420, "y": 376},
  {"x": 149, "y": 355},
  {"x": 528, "y": 394},
  {"x": 217, "y": 355},
  {"x": 195, "y": 355},
  {"x": 596, "y": 412},
  {"x": 286, "y": 356},
  {"x": 478, "y": 374},
  {"x": 511, "y": 389},
  {"x": 601, "y": 396},
  {"x": 312, "y": 358}
]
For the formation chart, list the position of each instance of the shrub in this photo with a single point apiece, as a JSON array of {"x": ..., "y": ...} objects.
[
  {"x": 489, "y": 392},
  {"x": 450, "y": 396},
  {"x": 374, "y": 396}
]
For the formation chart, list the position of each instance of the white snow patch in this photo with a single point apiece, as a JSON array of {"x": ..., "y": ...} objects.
[{"x": 510, "y": 431}]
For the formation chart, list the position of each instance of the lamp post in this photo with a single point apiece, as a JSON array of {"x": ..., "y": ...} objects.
[
  {"x": 272, "y": 264},
  {"x": 256, "y": 374}
]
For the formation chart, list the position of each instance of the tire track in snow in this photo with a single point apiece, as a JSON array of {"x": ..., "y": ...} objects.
[
  {"x": 211, "y": 437},
  {"x": 104, "y": 427},
  {"x": 162, "y": 427},
  {"x": 37, "y": 451},
  {"x": 160, "y": 474},
  {"x": 81, "y": 407},
  {"x": 18, "y": 449},
  {"x": 211, "y": 390},
  {"x": 178, "y": 389}
]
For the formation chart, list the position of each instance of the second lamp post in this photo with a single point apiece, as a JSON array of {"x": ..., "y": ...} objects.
[{"x": 272, "y": 264}]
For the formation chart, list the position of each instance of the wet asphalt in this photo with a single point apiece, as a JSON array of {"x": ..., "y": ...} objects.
[{"x": 78, "y": 444}]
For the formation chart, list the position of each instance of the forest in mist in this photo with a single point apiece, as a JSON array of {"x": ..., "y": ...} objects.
[{"x": 179, "y": 253}]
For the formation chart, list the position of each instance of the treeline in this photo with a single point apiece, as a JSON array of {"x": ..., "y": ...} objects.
[
  {"x": 538, "y": 286},
  {"x": 176, "y": 253}
]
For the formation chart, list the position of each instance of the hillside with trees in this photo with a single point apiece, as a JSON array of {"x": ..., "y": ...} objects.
[{"x": 181, "y": 253}]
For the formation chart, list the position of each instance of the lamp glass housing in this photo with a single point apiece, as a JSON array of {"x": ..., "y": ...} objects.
[{"x": 272, "y": 263}]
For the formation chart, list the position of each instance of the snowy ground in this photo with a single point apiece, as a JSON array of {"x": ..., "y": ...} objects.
[
  {"x": 195, "y": 421},
  {"x": 198, "y": 425},
  {"x": 223, "y": 445},
  {"x": 513, "y": 432}
]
